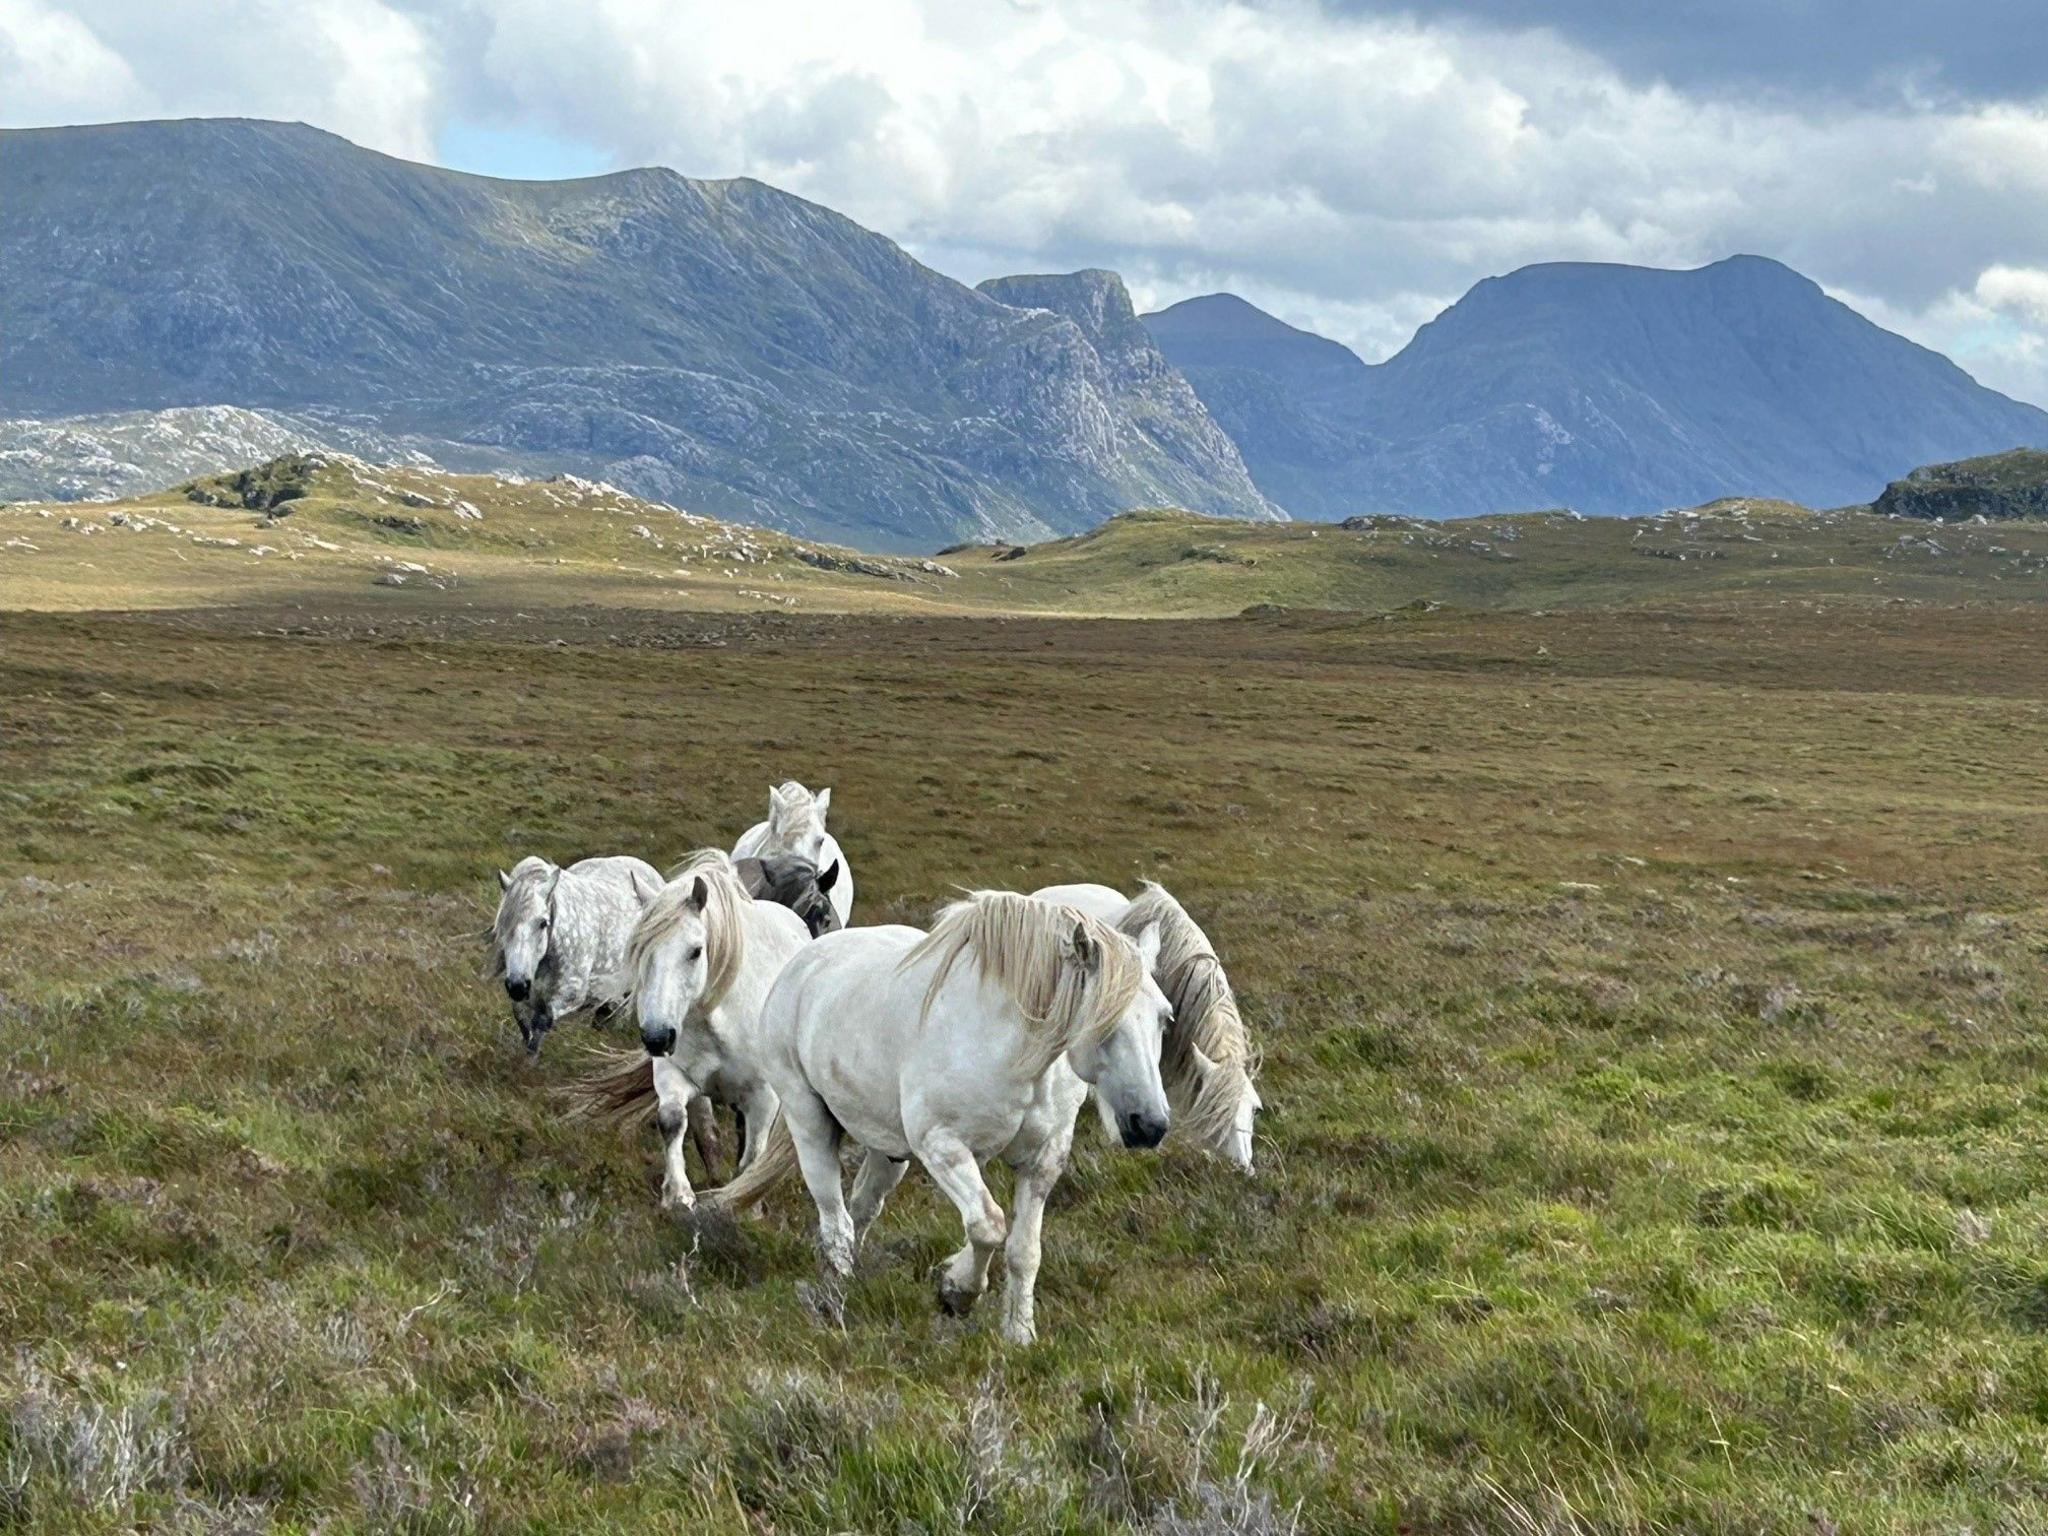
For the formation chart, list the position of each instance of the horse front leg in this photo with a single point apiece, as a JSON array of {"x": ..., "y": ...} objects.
[
  {"x": 672, "y": 1094},
  {"x": 954, "y": 1168},
  {"x": 1021, "y": 1253}
]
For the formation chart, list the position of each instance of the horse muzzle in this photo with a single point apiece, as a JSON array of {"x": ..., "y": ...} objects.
[
  {"x": 1142, "y": 1130},
  {"x": 659, "y": 1039},
  {"x": 517, "y": 989}
]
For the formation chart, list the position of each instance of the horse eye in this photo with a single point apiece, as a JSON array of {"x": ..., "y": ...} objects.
[{"x": 697, "y": 953}]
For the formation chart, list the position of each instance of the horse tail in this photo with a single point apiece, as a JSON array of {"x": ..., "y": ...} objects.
[
  {"x": 619, "y": 1088},
  {"x": 774, "y": 1160}
]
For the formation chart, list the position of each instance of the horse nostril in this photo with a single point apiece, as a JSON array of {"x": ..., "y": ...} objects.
[
  {"x": 517, "y": 990},
  {"x": 1141, "y": 1130},
  {"x": 659, "y": 1042}
]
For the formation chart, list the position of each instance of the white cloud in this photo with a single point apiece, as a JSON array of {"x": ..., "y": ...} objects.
[
  {"x": 361, "y": 68},
  {"x": 2019, "y": 291},
  {"x": 1347, "y": 172},
  {"x": 53, "y": 69}
]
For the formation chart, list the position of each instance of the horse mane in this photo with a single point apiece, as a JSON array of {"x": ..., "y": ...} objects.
[
  {"x": 725, "y": 938},
  {"x": 527, "y": 871},
  {"x": 791, "y": 805},
  {"x": 1205, "y": 1019},
  {"x": 1021, "y": 945}
]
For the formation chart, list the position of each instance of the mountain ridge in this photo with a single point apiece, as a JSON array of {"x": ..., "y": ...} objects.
[
  {"x": 1609, "y": 388},
  {"x": 722, "y": 345}
]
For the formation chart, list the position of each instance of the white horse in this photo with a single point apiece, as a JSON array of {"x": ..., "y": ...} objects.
[
  {"x": 697, "y": 967},
  {"x": 796, "y": 825},
  {"x": 558, "y": 942},
  {"x": 881, "y": 1035},
  {"x": 1209, "y": 1064},
  {"x": 560, "y": 934}
]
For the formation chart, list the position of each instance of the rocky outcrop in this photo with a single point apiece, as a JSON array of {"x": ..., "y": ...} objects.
[
  {"x": 1999, "y": 485},
  {"x": 103, "y": 458},
  {"x": 1140, "y": 411}
]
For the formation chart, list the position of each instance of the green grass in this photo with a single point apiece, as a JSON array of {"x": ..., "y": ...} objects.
[
  {"x": 349, "y": 534},
  {"x": 1651, "y": 1004}
]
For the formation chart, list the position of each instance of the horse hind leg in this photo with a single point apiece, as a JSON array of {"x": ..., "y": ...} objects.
[
  {"x": 877, "y": 1180},
  {"x": 702, "y": 1118},
  {"x": 816, "y": 1135},
  {"x": 953, "y": 1167}
]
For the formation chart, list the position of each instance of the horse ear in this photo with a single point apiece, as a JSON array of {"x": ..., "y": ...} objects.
[
  {"x": 700, "y": 894},
  {"x": 555, "y": 879},
  {"x": 831, "y": 876},
  {"x": 644, "y": 887},
  {"x": 1086, "y": 954},
  {"x": 777, "y": 803},
  {"x": 823, "y": 799},
  {"x": 504, "y": 881},
  {"x": 1148, "y": 946}
]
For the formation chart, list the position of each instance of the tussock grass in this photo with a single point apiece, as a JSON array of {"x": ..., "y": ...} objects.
[{"x": 1650, "y": 1005}]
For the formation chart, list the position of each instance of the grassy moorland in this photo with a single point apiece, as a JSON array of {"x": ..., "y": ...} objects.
[
  {"x": 1651, "y": 1000},
  {"x": 314, "y": 534}
]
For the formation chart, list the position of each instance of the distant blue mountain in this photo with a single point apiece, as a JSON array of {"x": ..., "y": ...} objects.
[
  {"x": 1609, "y": 389},
  {"x": 718, "y": 344}
]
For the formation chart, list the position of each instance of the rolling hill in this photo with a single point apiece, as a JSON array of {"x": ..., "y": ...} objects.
[
  {"x": 716, "y": 344},
  {"x": 314, "y": 531},
  {"x": 1609, "y": 389}
]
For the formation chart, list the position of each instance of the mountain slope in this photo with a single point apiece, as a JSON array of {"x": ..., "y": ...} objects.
[
  {"x": 715, "y": 344},
  {"x": 96, "y": 458},
  {"x": 1605, "y": 388},
  {"x": 1289, "y": 398},
  {"x": 1137, "y": 408}
]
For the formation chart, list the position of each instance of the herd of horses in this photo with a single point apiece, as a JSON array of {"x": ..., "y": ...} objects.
[{"x": 980, "y": 1038}]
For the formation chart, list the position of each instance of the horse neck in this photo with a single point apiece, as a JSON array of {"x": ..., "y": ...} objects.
[
  {"x": 759, "y": 965},
  {"x": 577, "y": 917},
  {"x": 975, "y": 1003}
]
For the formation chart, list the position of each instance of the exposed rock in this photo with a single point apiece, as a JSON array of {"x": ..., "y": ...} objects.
[
  {"x": 103, "y": 457},
  {"x": 826, "y": 560},
  {"x": 1995, "y": 487}
]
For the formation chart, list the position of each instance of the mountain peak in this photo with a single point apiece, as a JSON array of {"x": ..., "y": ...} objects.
[
  {"x": 1094, "y": 299},
  {"x": 1605, "y": 387},
  {"x": 1220, "y": 316}
]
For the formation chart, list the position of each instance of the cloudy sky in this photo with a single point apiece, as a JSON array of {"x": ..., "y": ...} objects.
[{"x": 1350, "y": 166}]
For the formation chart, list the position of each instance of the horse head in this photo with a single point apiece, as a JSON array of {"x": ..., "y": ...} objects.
[
  {"x": 796, "y": 820},
  {"x": 523, "y": 931},
  {"x": 795, "y": 883},
  {"x": 1122, "y": 1061}
]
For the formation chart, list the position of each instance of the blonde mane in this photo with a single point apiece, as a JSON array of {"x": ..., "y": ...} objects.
[
  {"x": 725, "y": 938},
  {"x": 1205, "y": 1019},
  {"x": 1023, "y": 947},
  {"x": 793, "y": 808}
]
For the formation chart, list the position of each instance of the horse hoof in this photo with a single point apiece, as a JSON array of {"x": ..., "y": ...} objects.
[
  {"x": 1019, "y": 1334},
  {"x": 953, "y": 1300}
]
